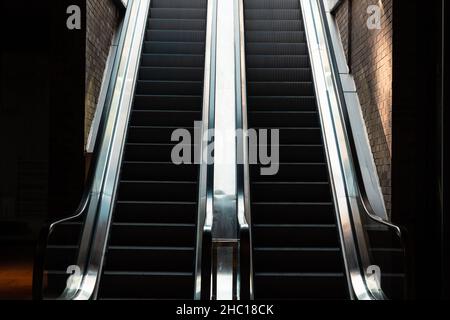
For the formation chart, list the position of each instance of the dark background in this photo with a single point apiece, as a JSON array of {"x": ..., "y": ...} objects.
[
  {"x": 41, "y": 125},
  {"x": 420, "y": 151}
]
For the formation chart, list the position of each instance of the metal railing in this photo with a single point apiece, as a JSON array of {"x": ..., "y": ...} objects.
[
  {"x": 203, "y": 263},
  {"x": 353, "y": 204},
  {"x": 97, "y": 203},
  {"x": 243, "y": 173}
]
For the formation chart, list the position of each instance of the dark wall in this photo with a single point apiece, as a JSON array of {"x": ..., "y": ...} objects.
[
  {"x": 67, "y": 83},
  {"x": 445, "y": 269},
  {"x": 42, "y": 109},
  {"x": 417, "y": 179}
]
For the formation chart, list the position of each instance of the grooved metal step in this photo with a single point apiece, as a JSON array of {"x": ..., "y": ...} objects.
[
  {"x": 279, "y": 74},
  {"x": 179, "y": 4},
  {"x": 172, "y": 60},
  {"x": 175, "y": 35},
  {"x": 278, "y": 61},
  {"x": 154, "y": 286},
  {"x": 150, "y": 171},
  {"x": 170, "y": 74},
  {"x": 293, "y": 212},
  {"x": 153, "y": 134},
  {"x": 296, "y": 246},
  {"x": 274, "y": 25},
  {"x": 274, "y": 48},
  {"x": 168, "y": 47},
  {"x": 280, "y": 88},
  {"x": 172, "y": 102},
  {"x": 177, "y": 13},
  {"x": 152, "y": 244},
  {"x": 182, "y": 118},
  {"x": 271, "y": 4},
  {"x": 159, "y": 152},
  {"x": 176, "y": 24},
  {"x": 272, "y": 14},
  {"x": 156, "y": 211},
  {"x": 282, "y": 119},
  {"x": 275, "y": 36},
  {"x": 189, "y": 88},
  {"x": 153, "y": 259}
]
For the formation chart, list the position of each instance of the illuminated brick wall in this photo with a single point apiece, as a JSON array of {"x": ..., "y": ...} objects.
[
  {"x": 369, "y": 53},
  {"x": 102, "y": 20}
]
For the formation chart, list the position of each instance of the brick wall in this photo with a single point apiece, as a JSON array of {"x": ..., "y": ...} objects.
[
  {"x": 370, "y": 60},
  {"x": 102, "y": 20}
]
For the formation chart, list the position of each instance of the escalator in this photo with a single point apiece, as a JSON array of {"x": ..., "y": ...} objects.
[
  {"x": 134, "y": 235},
  {"x": 296, "y": 245},
  {"x": 143, "y": 230},
  {"x": 151, "y": 249}
]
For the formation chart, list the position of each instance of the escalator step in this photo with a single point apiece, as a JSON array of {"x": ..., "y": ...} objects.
[
  {"x": 272, "y": 14},
  {"x": 154, "y": 259},
  {"x": 271, "y": 4},
  {"x": 291, "y": 191},
  {"x": 169, "y": 87},
  {"x": 200, "y": 4},
  {"x": 151, "y": 171},
  {"x": 304, "y": 260},
  {"x": 307, "y": 172},
  {"x": 150, "y": 285},
  {"x": 317, "y": 286},
  {"x": 302, "y": 153},
  {"x": 156, "y": 212},
  {"x": 173, "y": 60},
  {"x": 176, "y": 24},
  {"x": 292, "y": 213},
  {"x": 157, "y": 191},
  {"x": 295, "y": 136},
  {"x": 174, "y": 47},
  {"x": 278, "y": 61},
  {"x": 282, "y": 119},
  {"x": 273, "y": 25},
  {"x": 295, "y": 236},
  {"x": 155, "y": 73},
  {"x": 280, "y": 103},
  {"x": 153, "y": 134},
  {"x": 268, "y": 48},
  {"x": 279, "y": 74},
  {"x": 177, "y": 13},
  {"x": 151, "y": 152},
  {"x": 175, "y": 35},
  {"x": 275, "y": 36},
  {"x": 280, "y": 88},
  {"x": 171, "y": 102},
  {"x": 164, "y": 117},
  {"x": 153, "y": 235}
]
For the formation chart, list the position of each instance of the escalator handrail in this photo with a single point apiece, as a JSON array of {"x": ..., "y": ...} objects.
[
  {"x": 204, "y": 247},
  {"x": 91, "y": 202},
  {"x": 363, "y": 197},
  {"x": 50, "y": 226},
  {"x": 243, "y": 175},
  {"x": 375, "y": 292},
  {"x": 368, "y": 209}
]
